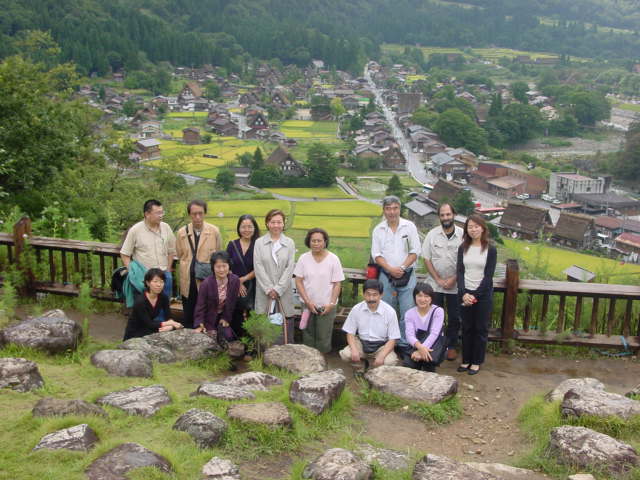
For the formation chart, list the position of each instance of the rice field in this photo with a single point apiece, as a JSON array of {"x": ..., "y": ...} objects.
[
  {"x": 325, "y": 192},
  {"x": 355, "y": 227},
  {"x": 487, "y": 53},
  {"x": 305, "y": 129},
  {"x": 187, "y": 114},
  {"x": 356, "y": 208},
  {"x": 257, "y": 208}
]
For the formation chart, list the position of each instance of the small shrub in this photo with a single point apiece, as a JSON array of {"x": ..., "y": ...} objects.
[{"x": 263, "y": 332}]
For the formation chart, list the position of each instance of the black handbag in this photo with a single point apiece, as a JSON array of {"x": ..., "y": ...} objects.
[
  {"x": 439, "y": 347},
  {"x": 402, "y": 281},
  {"x": 201, "y": 270}
]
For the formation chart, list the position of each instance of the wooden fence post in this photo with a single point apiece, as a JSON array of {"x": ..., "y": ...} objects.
[
  {"x": 510, "y": 301},
  {"x": 21, "y": 232}
]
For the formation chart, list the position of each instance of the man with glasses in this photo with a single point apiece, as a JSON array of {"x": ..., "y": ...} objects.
[{"x": 151, "y": 244}]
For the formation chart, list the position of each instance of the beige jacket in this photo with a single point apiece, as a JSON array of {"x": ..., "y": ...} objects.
[
  {"x": 271, "y": 276},
  {"x": 210, "y": 242}
]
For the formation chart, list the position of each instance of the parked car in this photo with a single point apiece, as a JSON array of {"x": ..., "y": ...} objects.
[
  {"x": 555, "y": 201},
  {"x": 460, "y": 181},
  {"x": 547, "y": 198},
  {"x": 523, "y": 196}
]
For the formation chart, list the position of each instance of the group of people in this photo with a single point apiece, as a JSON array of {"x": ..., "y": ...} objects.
[{"x": 399, "y": 320}]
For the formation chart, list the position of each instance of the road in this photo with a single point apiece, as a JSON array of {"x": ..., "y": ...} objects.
[{"x": 414, "y": 165}]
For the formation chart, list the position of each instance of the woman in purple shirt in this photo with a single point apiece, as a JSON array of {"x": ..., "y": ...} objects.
[{"x": 423, "y": 327}]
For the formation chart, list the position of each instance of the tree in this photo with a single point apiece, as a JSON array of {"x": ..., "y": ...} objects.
[
  {"x": 245, "y": 159},
  {"x": 212, "y": 90},
  {"x": 519, "y": 91},
  {"x": 322, "y": 166},
  {"x": 457, "y": 130},
  {"x": 258, "y": 159},
  {"x": 589, "y": 107},
  {"x": 519, "y": 122},
  {"x": 496, "y": 105},
  {"x": 628, "y": 164},
  {"x": 463, "y": 203},
  {"x": 267, "y": 176},
  {"x": 425, "y": 117},
  {"x": 337, "y": 108},
  {"x": 395, "y": 187},
  {"x": 129, "y": 108},
  {"x": 225, "y": 180}
]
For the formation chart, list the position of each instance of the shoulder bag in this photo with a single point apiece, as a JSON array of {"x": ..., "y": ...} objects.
[
  {"x": 439, "y": 347},
  {"x": 201, "y": 270}
]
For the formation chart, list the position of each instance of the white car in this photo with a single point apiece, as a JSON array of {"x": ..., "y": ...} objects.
[
  {"x": 523, "y": 196},
  {"x": 547, "y": 198},
  {"x": 555, "y": 201}
]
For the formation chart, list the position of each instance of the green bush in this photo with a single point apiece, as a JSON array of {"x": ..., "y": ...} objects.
[{"x": 262, "y": 332}]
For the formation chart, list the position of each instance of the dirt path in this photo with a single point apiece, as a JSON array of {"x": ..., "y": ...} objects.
[{"x": 488, "y": 430}]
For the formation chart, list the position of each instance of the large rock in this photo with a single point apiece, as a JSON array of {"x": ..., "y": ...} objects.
[
  {"x": 143, "y": 401},
  {"x": 583, "y": 447},
  {"x": 223, "y": 392},
  {"x": 19, "y": 374},
  {"x": 116, "y": 463},
  {"x": 338, "y": 463},
  {"x": 252, "y": 381},
  {"x": 295, "y": 358},
  {"x": 51, "y": 407},
  {"x": 270, "y": 413},
  {"x": 220, "y": 469},
  {"x": 412, "y": 385},
  {"x": 52, "y": 332},
  {"x": 557, "y": 394},
  {"x": 588, "y": 401},
  {"x": 124, "y": 363},
  {"x": 81, "y": 437},
  {"x": 506, "y": 472},
  {"x": 317, "y": 391},
  {"x": 389, "y": 459},
  {"x": 205, "y": 428},
  {"x": 442, "y": 468},
  {"x": 174, "y": 346}
]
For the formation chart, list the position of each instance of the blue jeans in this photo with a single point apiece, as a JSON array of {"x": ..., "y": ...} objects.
[{"x": 400, "y": 298}]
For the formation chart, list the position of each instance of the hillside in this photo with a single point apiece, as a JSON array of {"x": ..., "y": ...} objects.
[{"x": 99, "y": 34}]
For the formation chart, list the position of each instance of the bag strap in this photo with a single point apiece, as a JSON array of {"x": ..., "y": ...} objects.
[
  {"x": 431, "y": 318},
  {"x": 193, "y": 250}
]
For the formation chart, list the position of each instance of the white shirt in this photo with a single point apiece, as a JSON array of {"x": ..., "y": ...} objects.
[
  {"x": 474, "y": 262},
  {"x": 395, "y": 246},
  {"x": 443, "y": 254},
  {"x": 381, "y": 325}
]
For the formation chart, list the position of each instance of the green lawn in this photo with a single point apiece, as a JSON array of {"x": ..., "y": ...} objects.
[
  {"x": 304, "y": 129},
  {"x": 556, "y": 260},
  {"x": 325, "y": 192},
  {"x": 357, "y": 227},
  {"x": 355, "y": 208}
]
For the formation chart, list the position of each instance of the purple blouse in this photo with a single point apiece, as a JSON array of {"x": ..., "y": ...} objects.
[
  {"x": 242, "y": 265},
  {"x": 413, "y": 322}
]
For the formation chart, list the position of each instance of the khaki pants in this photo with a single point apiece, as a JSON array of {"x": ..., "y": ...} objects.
[{"x": 345, "y": 354}]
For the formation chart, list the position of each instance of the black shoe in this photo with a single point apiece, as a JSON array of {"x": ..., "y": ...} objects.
[
  {"x": 462, "y": 369},
  {"x": 473, "y": 372}
]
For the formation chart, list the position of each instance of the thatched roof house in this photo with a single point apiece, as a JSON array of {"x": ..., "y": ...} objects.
[
  {"x": 524, "y": 221},
  {"x": 288, "y": 165},
  {"x": 444, "y": 190},
  {"x": 574, "y": 230}
]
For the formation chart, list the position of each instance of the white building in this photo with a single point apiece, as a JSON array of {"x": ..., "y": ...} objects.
[{"x": 564, "y": 185}]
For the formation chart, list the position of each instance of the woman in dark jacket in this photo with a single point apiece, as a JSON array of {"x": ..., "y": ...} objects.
[
  {"x": 143, "y": 319},
  {"x": 217, "y": 297},
  {"x": 475, "y": 268},
  {"x": 241, "y": 252}
]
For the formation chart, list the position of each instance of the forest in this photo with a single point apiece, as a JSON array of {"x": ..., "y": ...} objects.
[{"x": 104, "y": 35}]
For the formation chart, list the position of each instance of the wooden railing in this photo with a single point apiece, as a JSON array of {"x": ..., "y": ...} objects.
[{"x": 534, "y": 311}]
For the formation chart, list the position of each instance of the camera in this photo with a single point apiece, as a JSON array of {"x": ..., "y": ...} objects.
[{"x": 320, "y": 310}]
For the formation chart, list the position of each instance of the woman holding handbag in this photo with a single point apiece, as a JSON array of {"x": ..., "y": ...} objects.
[
  {"x": 424, "y": 332},
  {"x": 241, "y": 252},
  {"x": 217, "y": 300},
  {"x": 273, "y": 261}
]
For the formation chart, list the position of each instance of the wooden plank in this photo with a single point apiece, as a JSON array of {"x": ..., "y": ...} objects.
[
  {"x": 527, "y": 312},
  {"x": 626, "y": 324},
  {"x": 602, "y": 290},
  {"x": 612, "y": 316},
  {"x": 76, "y": 263},
  {"x": 560, "y": 321},
  {"x": 102, "y": 272},
  {"x": 545, "y": 308},
  {"x": 578, "y": 313},
  {"x": 598, "y": 340},
  {"x": 63, "y": 256},
  {"x": 510, "y": 299},
  {"x": 10, "y": 252},
  {"x": 52, "y": 267},
  {"x": 594, "y": 316}
]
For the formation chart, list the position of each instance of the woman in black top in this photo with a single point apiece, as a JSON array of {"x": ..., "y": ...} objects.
[
  {"x": 241, "y": 252},
  {"x": 475, "y": 268},
  {"x": 147, "y": 307}
]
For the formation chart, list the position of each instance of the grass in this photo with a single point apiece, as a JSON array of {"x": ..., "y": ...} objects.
[
  {"x": 304, "y": 129},
  {"x": 335, "y": 226},
  {"x": 487, "y": 53},
  {"x": 632, "y": 107},
  {"x": 558, "y": 259},
  {"x": 325, "y": 192},
  {"x": 538, "y": 417},
  {"x": 356, "y": 208},
  {"x": 556, "y": 142},
  {"x": 441, "y": 413},
  {"x": 74, "y": 377},
  {"x": 187, "y": 114}
]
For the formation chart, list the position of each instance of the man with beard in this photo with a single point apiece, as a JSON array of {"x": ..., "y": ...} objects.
[
  {"x": 372, "y": 330},
  {"x": 440, "y": 251}
]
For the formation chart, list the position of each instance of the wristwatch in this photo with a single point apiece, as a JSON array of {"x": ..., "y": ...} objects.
[{"x": 403, "y": 268}]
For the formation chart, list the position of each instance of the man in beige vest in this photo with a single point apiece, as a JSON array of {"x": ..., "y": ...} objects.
[{"x": 195, "y": 244}]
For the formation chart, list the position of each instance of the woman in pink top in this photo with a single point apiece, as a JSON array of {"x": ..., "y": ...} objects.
[
  {"x": 318, "y": 275},
  {"x": 423, "y": 327}
]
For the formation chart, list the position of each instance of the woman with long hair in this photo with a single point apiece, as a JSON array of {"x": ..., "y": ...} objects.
[{"x": 475, "y": 268}]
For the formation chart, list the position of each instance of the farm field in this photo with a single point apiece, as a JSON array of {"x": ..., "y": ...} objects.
[
  {"x": 558, "y": 259},
  {"x": 632, "y": 107},
  {"x": 326, "y": 192},
  {"x": 187, "y": 114},
  {"x": 305, "y": 129},
  {"x": 336, "y": 226},
  {"x": 356, "y": 208}
]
